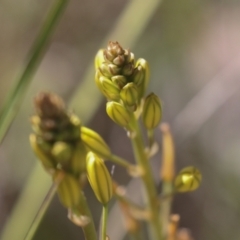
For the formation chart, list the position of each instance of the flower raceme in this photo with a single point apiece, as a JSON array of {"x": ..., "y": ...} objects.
[
  {"x": 62, "y": 145},
  {"x": 115, "y": 69}
]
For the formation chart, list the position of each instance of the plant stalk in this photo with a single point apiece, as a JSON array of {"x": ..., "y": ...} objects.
[
  {"x": 41, "y": 212},
  {"x": 89, "y": 229},
  {"x": 16, "y": 95},
  {"x": 120, "y": 161},
  {"x": 104, "y": 222},
  {"x": 142, "y": 160}
]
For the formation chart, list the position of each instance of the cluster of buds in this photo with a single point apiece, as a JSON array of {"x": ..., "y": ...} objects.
[
  {"x": 62, "y": 145},
  {"x": 123, "y": 82},
  {"x": 119, "y": 77}
]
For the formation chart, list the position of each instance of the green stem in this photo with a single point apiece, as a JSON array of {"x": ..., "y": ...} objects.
[
  {"x": 150, "y": 134},
  {"x": 120, "y": 161},
  {"x": 33, "y": 227},
  {"x": 16, "y": 96},
  {"x": 142, "y": 160},
  {"x": 166, "y": 207},
  {"x": 88, "y": 229},
  {"x": 104, "y": 222}
]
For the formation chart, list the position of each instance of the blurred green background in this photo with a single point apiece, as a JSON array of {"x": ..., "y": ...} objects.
[{"x": 193, "y": 48}]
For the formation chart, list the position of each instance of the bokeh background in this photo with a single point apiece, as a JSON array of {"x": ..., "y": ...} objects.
[{"x": 193, "y": 48}]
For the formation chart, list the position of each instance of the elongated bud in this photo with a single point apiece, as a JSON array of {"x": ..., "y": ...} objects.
[
  {"x": 168, "y": 164},
  {"x": 119, "y": 80},
  {"x": 105, "y": 70},
  {"x": 129, "y": 94},
  {"x": 78, "y": 160},
  {"x": 45, "y": 159},
  {"x": 110, "y": 90},
  {"x": 138, "y": 76},
  {"x": 99, "y": 178},
  {"x": 99, "y": 58},
  {"x": 118, "y": 113},
  {"x": 142, "y": 76},
  {"x": 188, "y": 179},
  {"x": 152, "y": 111},
  {"x": 61, "y": 152},
  {"x": 94, "y": 142},
  {"x": 68, "y": 190}
]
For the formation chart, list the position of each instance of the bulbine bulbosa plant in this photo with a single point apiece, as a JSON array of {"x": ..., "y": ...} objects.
[{"x": 75, "y": 155}]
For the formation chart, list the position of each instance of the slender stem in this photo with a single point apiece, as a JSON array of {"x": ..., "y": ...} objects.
[
  {"x": 141, "y": 158},
  {"x": 88, "y": 229},
  {"x": 42, "y": 210},
  {"x": 104, "y": 222},
  {"x": 166, "y": 207},
  {"x": 16, "y": 96},
  {"x": 120, "y": 161},
  {"x": 150, "y": 135}
]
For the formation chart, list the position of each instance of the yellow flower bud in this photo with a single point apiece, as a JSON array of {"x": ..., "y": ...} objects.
[
  {"x": 45, "y": 159},
  {"x": 188, "y": 179},
  {"x": 78, "y": 161},
  {"x": 142, "y": 76},
  {"x": 119, "y": 80},
  {"x": 94, "y": 142},
  {"x": 99, "y": 59},
  {"x": 68, "y": 190},
  {"x": 138, "y": 75},
  {"x": 129, "y": 94},
  {"x": 99, "y": 178},
  {"x": 61, "y": 152},
  {"x": 118, "y": 113},
  {"x": 109, "y": 89},
  {"x": 152, "y": 111}
]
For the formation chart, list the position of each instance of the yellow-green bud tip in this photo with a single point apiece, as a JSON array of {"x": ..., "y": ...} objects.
[
  {"x": 129, "y": 94},
  {"x": 118, "y": 113},
  {"x": 188, "y": 179},
  {"x": 61, "y": 151},
  {"x": 152, "y": 111},
  {"x": 99, "y": 178},
  {"x": 94, "y": 142},
  {"x": 68, "y": 189}
]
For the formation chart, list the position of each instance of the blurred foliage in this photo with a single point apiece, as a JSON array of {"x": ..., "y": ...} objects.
[{"x": 193, "y": 48}]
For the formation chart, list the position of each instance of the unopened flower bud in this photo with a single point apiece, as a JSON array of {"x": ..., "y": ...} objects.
[
  {"x": 128, "y": 69},
  {"x": 114, "y": 69},
  {"x": 118, "y": 113},
  {"x": 129, "y": 94},
  {"x": 94, "y": 142},
  {"x": 78, "y": 160},
  {"x": 49, "y": 105},
  {"x": 119, "y": 80},
  {"x": 75, "y": 121},
  {"x": 138, "y": 75},
  {"x": 68, "y": 190},
  {"x": 45, "y": 159},
  {"x": 61, "y": 151},
  {"x": 143, "y": 67},
  {"x": 152, "y": 111},
  {"x": 99, "y": 59},
  {"x": 110, "y": 90},
  {"x": 105, "y": 70},
  {"x": 119, "y": 60},
  {"x": 188, "y": 179},
  {"x": 99, "y": 178}
]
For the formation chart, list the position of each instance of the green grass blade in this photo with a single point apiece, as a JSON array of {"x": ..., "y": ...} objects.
[{"x": 16, "y": 96}]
